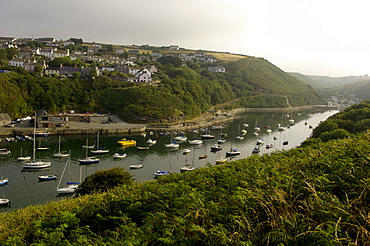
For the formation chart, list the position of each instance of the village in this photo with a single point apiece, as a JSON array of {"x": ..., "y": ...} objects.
[{"x": 103, "y": 59}]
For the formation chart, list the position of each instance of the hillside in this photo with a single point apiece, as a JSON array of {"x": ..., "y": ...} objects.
[
  {"x": 307, "y": 80},
  {"x": 316, "y": 194},
  {"x": 327, "y": 81},
  {"x": 183, "y": 92}
]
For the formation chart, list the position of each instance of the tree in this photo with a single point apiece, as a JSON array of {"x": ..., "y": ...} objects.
[
  {"x": 38, "y": 69},
  {"x": 104, "y": 180}
]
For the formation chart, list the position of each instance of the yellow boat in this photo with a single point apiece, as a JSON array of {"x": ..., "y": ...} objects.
[
  {"x": 221, "y": 160},
  {"x": 125, "y": 142}
]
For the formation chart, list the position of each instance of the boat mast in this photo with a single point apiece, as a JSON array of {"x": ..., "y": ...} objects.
[{"x": 34, "y": 138}]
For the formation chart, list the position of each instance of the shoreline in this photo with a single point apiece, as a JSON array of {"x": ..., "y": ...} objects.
[{"x": 206, "y": 120}]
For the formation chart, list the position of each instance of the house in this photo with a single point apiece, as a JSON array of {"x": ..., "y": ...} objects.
[
  {"x": 68, "y": 42},
  {"x": 61, "y": 53},
  {"x": 25, "y": 52},
  {"x": 152, "y": 68},
  {"x": 85, "y": 72},
  {"x": 46, "y": 40},
  {"x": 45, "y": 120},
  {"x": 47, "y": 52},
  {"x": 68, "y": 71},
  {"x": 217, "y": 69},
  {"x": 134, "y": 70},
  {"x": 173, "y": 47},
  {"x": 50, "y": 71},
  {"x": 121, "y": 68},
  {"x": 7, "y": 39},
  {"x": 30, "y": 66},
  {"x": 23, "y": 40},
  {"x": 17, "y": 62},
  {"x": 98, "y": 46},
  {"x": 143, "y": 76},
  {"x": 93, "y": 49},
  {"x": 120, "y": 51}
]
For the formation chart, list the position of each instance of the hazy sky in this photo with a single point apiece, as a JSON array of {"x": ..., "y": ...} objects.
[{"x": 313, "y": 37}]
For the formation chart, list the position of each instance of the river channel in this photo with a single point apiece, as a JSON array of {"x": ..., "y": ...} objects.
[{"x": 24, "y": 187}]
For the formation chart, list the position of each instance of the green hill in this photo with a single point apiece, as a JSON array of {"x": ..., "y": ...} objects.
[
  {"x": 183, "y": 92},
  {"x": 316, "y": 194}
]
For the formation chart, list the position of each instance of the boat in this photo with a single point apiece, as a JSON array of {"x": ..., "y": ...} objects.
[
  {"x": 23, "y": 158},
  {"x": 233, "y": 152},
  {"x": 59, "y": 153},
  {"x": 268, "y": 130},
  {"x": 138, "y": 166},
  {"x": 11, "y": 139},
  {"x": 239, "y": 137},
  {"x": 172, "y": 145},
  {"x": 260, "y": 141},
  {"x": 216, "y": 147},
  {"x": 181, "y": 138},
  {"x": 88, "y": 159},
  {"x": 268, "y": 146},
  {"x": 195, "y": 141},
  {"x": 35, "y": 164},
  {"x": 202, "y": 157},
  {"x": 47, "y": 177},
  {"x": 221, "y": 141},
  {"x": 207, "y": 136},
  {"x": 151, "y": 141},
  {"x": 256, "y": 150},
  {"x": 281, "y": 128},
  {"x": 187, "y": 168},
  {"x": 221, "y": 160},
  {"x": 4, "y": 151},
  {"x": 119, "y": 156},
  {"x": 126, "y": 142},
  {"x": 20, "y": 138},
  {"x": 71, "y": 186},
  {"x": 285, "y": 143},
  {"x": 3, "y": 180},
  {"x": 160, "y": 173},
  {"x": 41, "y": 133},
  {"x": 244, "y": 131},
  {"x": 245, "y": 124},
  {"x": 4, "y": 201},
  {"x": 143, "y": 147},
  {"x": 99, "y": 150},
  {"x": 185, "y": 151}
]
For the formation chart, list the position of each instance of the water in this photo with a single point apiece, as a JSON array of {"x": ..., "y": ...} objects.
[{"x": 25, "y": 189}]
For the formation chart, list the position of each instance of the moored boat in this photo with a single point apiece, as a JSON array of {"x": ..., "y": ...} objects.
[
  {"x": 47, "y": 177},
  {"x": 138, "y": 166},
  {"x": 126, "y": 142},
  {"x": 3, "y": 180},
  {"x": 119, "y": 156},
  {"x": 195, "y": 141},
  {"x": 161, "y": 173},
  {"x": 233, "y": 152},
  {"x": 4, "y": 151}
]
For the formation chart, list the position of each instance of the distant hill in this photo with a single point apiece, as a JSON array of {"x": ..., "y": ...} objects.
[
  {"x": 326, "y": 81},
  {"x": 307, "y": 80}
]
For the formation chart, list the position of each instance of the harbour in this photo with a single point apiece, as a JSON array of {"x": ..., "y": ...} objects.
[{"x": 24, "y": 188}]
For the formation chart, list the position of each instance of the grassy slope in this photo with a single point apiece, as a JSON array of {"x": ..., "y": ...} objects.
[{"x": 312, "y": 195}]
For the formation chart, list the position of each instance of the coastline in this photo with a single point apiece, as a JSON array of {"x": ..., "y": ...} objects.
[{"x": 206, "y": 120}]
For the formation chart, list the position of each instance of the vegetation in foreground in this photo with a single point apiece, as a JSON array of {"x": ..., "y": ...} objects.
[{"x": 317, "y": 194}]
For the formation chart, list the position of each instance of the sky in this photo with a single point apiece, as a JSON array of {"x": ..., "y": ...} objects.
[{"x": 312, "y": 37}]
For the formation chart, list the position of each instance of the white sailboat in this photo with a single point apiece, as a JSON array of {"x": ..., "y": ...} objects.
[
  {"x": 60, "y": 154},
  {"x": 71, "y": 186},
  {"x": 35, "y": 164},
  {"x": 88, "y": 159},
  {"x": 99, "y": 150}
]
